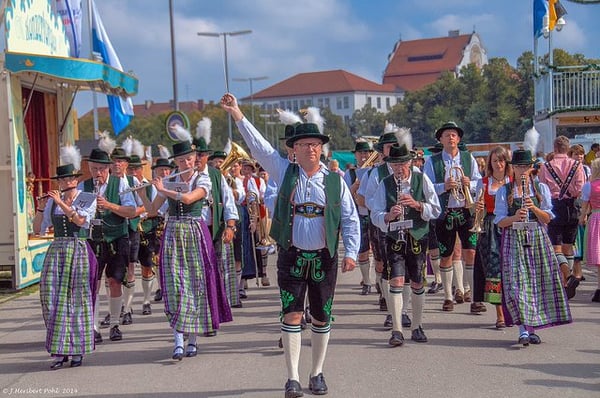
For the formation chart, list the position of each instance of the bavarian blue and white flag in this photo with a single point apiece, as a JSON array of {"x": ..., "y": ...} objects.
[
  {"x": 121, "y": 110},
  {"x": 71, "y": 14}
]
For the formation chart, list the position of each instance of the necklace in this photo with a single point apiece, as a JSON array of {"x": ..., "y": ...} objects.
[{"x": 498, "y": 180}]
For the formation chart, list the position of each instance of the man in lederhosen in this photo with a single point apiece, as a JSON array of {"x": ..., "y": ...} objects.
[
  {"x": 109, "y": 231},
  {"x": 456, "y": 216},
  {"x": 401, "y": 208},
  {"x": 312, "y": 208}
]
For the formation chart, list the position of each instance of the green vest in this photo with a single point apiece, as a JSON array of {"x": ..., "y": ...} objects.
[
  {"x": 178, "y": 208},
  {"x": 440, "y": 173},
  {"x": 150, "y": 224},
  {"x": 64, "y": 228},
  {"x": 113, "y": 225},
  {"x": 420, "y": 227},
  {"x": 281, "y": 226},
  {"x": 218, "y": 224},
  {"x": 133, "y": 222}
]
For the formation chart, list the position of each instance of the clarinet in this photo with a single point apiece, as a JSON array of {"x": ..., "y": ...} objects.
[{"x": 527, "y": 238}]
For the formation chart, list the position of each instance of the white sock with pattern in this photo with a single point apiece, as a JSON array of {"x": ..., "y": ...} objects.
[
  {"x": 319, "y": 341},
  {"x": 291, "y": 337}
]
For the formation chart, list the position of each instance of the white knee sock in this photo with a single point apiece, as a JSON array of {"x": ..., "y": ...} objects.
[
  {"x": 468, "y": 276},
  {"x": 128, "y": 299},
  {"x": 319, "y": 340},
  {"x": 385, "y": 288},
  {"x": 418, "y": 300},
  {"x": 395, "y": 304},
  {"x": 435, "y": 264},
  {"x": 446, "y": 274},
  {"x": 365, "y": 271},
  {"x": 405, "y": 297},
  {"x": 291, "y": 337},
  {"x": 147, "y": 287},
  {"x": 114, "y": 303},
  {"x": 458, "y": 275}
]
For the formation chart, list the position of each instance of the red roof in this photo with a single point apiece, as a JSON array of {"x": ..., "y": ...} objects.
[
  {"x": 154, "y": 108},
  {"x": 417, "y": 63},
  {"x": 333, "y": 81}
]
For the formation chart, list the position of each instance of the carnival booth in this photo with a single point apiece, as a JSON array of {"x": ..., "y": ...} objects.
[{"x": 38, "y": 85}]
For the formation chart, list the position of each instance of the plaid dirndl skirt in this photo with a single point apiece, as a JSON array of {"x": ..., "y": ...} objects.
[
  {"x": 67, "y": 294},
  {"x": 226, "y": 262},
  {"x": 193, "y": 291},
  {"x": 532, "y": 292}
]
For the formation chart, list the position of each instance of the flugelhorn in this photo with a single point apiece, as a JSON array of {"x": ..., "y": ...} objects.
[
  {"x": 461, "y": 192},
  {"x": 236, "y": 154},
  {"x": 371, "y": 160},
  {"x": 479, "y": 214}
]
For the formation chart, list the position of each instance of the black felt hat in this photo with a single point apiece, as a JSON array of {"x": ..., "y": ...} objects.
[
  {"x": 119, "y": 153},
  {"x": 182, "y": 148},
  {"x": 448, "y": 126},
  {"x": 399, "y": 154},
  {"x": 522, "y": 157},
  {"x": 67, "y": 170},
  {"x": 362, "y": 146},
  {"x": 162, "y": 162},
  {"x": 218, "y": 155},
  {"x": 99, "y": 156},
  {"x": 200, "y": 145},
  {"x": 385, "y": 138},
  {"x": 304, "y": 130},
  {"x": 135, "y": 161}
]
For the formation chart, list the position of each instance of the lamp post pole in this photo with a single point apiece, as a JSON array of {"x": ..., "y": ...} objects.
[
  {"x": 250, "y": 80},
  {"x": 226, "y": 65}
]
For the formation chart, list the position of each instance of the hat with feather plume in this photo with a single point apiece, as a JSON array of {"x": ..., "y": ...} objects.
[
  {"x": 312, "y": 128},
  {"x": 70, "y": 159}
]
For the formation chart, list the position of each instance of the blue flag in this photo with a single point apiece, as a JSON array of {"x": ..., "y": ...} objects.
[
  {"x": 121, "y": 110},
  {"x": 540, "y": 10}
]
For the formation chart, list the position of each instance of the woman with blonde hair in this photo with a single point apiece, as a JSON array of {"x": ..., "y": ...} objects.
[{"x": 590, "y": 217}]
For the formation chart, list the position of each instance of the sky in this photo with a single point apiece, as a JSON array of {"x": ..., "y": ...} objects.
[{"x": 291, "y": 37}]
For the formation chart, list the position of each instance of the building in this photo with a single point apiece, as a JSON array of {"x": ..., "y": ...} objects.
[
  {"x": 415, "y": 64},
  {"x": 340, "y": 91}
]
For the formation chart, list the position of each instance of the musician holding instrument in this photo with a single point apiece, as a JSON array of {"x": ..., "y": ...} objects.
[
  {"x": 455, "y": 174},
  {"x": 68, "y": 277},
  {"x": 533, "y": 296},
  {"x": 193, "y": 294},
  {"x": 313, "y": 207},
  {"x": 109, "y": 236},
  {"x": 401, "y": 208}
]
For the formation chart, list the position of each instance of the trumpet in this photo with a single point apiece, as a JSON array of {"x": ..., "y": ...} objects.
[
  {"x": 462, "y": 192},
  {"x": 479, "y": 214},
  {"x": 147, "y": 184}
]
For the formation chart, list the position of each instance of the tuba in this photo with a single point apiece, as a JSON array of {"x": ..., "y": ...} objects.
[
  {"x": 236, "y": 154},
  {"x": 462, "y": 192}
]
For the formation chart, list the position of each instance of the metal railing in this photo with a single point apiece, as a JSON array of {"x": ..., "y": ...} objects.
[{"x": 573, "y": 88}]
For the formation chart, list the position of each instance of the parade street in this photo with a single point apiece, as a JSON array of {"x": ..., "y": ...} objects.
[{"x": 466, "y": 356}]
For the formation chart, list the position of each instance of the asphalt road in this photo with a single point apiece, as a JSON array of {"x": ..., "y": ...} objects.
[{"x": 465, "y": 356}]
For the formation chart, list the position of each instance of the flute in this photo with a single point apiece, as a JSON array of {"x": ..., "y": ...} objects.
[
  {"x": 147, "y": 184},
  {"x": 47, "y": 195}
]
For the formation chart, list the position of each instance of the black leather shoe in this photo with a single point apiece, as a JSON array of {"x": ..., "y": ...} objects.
[
  {"x": 524, "y": 339},
  {"x": 178, "y": 353},
  {"x": 106, "y": 322},
  {"x": 191, "y": 350},
  {"x": 406, "y": 322},
  {"x": 97, "y": 337},
  {"x": 534, "y": 339},
  {"x": 596, "y": 298},
  {"x": 571, "y": 288},
  {"x": 76, "y": 362},
  {"x": 59, "y": 363},
  {"x": 382, "y": 304},
  {"x": 317, "y": 385},
  {"x": 146, "y": 309},
  {"x": 115, "y": 333},
  {"x": 212, "y": 333},
  {"x": 158, "y": 295},
  {"x": 388, "y": 323},
  {"x": 397, "y": 339},
  {"x": 293, "y": 389},
  {"x": 418, "y": 335},
  {"x": 127, "y": 319},
  {"x": 366, "y": 290}
]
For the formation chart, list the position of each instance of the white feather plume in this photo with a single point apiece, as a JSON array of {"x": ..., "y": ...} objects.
[
  {"x": 288, "y": 117},
  {"x": 181, "y": 133},
  {"x": 204, "y": 129},
  {"x": 404, "y": 136},
  {"x": 390, "y": 127},
  {"x": 70, "y": 154},
  {"x": 137, "y": 148},
  {"x": 106, "y": 143},
  {"x": 228, "y": 146},
  {"x": 325, "y": 150},
  {"x": 127, "y": 145},
  {"x": 313, "y": 115},
  {"x": 164, "y": 151},
  {"x": 530, "y": 142},
  {"x": 148, "y": 153}
]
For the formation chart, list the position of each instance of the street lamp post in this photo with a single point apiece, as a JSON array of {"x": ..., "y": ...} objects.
[
  {"x": 226, "y": 66},
  {"x": 250, "y": 79}
]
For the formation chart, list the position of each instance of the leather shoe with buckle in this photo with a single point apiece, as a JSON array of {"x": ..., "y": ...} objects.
[
  {"x": 317, "y": 385},
  {"x": 293, "y": 389},
  {"x": 146, "y": 309},
  {"x": 178, "y": 353},
  {"x": 127, "y": 320},
  {"x": 534, "y": 339},
  {"x": 115, "y": 333},
  {"x": 406, "y": 322},
  {"x": 478, "y": 307},
  {"x": 418, "y": 335},
  {"x": 397, "y": 339},
  {"x": 388, "y": 323},
  {"x": 459, "y": 297},
  {"x": 448, "y": 305},
  {"x": 191, "y": 350},
  {"x": 97, "y": 337},
  {"x": 59, "y": 363},
  {"x": 571, "y": 287},
  {"x": 366, "y": 290}
]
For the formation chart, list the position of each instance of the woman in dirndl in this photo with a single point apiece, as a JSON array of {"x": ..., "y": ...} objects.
[
  {"x": 486, "y": 279},
  {"x": 193, "y": 292},
  {"x": 590, "y": 217},
  {"x": 532, "y": 294},
  {"x": 68, "y": 278}
]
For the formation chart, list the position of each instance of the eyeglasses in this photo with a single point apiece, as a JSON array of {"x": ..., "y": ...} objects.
[{"x": 308, "y": 145}]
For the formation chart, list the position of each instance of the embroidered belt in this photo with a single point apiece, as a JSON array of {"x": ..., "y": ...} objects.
[{"x": 309, "y": 210}]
